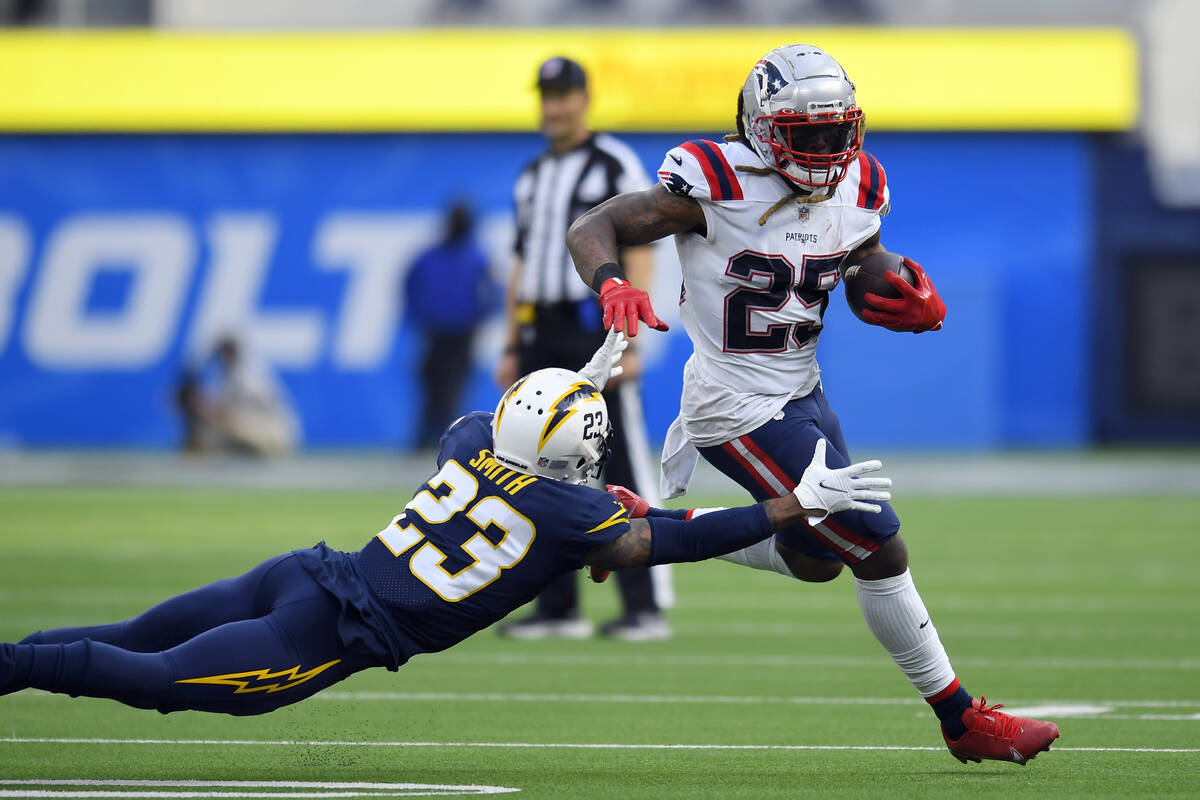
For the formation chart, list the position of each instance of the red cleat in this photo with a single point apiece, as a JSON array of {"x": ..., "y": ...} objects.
[{"x": 994, "y": 735}]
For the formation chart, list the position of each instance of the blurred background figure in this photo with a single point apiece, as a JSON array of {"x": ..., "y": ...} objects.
[
  {"x": 234, "y": 403},
  {"x": 448, "y": 294},
  {"x": 554, "y": 320}
]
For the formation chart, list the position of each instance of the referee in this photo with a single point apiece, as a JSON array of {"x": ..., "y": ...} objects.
[{"x": 554, "y": 320}]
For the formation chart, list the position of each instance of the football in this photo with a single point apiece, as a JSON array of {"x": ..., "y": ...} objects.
[{"x": 867, "y": 276}]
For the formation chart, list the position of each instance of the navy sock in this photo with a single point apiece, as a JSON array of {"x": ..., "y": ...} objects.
[
  {"x": 16, "y": 662},
  {"x": 8, "y": 667},
  {"x": 88, "y": 668},
  {"x": 949, "y": 705}
]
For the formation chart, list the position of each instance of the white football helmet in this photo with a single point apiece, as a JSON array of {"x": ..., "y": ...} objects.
[
  {"x": 552, "y": 423},
  {"x": 798, "y": 114}
]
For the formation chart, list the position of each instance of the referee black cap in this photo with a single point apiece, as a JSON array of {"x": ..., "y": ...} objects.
[{"x": 561, "y": 73}]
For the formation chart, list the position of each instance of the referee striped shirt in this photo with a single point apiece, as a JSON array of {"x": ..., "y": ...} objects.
[{"x": 554, "y": 191}]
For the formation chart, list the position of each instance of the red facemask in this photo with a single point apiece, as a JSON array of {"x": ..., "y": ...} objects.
[{"x": 820, "y": 146}]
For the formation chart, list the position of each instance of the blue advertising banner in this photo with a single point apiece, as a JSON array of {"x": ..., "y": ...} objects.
[{"x": 122, "y": 258}]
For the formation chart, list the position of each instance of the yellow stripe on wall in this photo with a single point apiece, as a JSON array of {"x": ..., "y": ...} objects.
[{"x": 648, "y": 80}]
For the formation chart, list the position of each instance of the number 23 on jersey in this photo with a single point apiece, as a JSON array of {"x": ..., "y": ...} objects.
[{"x": 426, "y": 562}]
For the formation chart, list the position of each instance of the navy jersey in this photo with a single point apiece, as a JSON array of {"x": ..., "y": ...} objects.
[{"x": 477, "y": 541}]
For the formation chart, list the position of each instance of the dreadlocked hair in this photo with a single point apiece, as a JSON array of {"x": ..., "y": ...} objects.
[{"x": 739, "y": 123}]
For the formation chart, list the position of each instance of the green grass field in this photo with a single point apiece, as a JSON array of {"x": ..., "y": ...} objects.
[{"x": 770, "y": 687}]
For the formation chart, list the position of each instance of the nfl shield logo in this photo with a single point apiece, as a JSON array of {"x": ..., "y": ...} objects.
[
  {"x": 802, "y": 212},
  {"x": 543, "y": 462}
]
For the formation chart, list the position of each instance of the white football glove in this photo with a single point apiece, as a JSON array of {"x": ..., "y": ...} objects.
[
  {"x": 834, "y": 490},
  {"x": 604, "y": 364}
]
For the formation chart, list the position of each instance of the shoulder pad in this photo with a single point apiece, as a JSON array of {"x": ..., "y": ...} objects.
[{"x": 699, "y": 169}]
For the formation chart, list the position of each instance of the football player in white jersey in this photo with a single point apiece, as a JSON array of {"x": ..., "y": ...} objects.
[{"x": 763, "y": 222}]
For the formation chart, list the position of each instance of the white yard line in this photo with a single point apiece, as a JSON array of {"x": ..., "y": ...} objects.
[
  {"x": 187, "y": 789},
  {"x": 1044, "y": 707},
  {"x": 555, "y": 697},
  {"x": 799, "y": 659},
  {"x": 197, "y": 784},
  {"x": 530, "y": 697},
  {"x": 555, "y": 745},
  {"x": 432, "y": 792},
  {"x": 951, "y": 630}
]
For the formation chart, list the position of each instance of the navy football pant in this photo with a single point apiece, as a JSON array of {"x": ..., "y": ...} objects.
[
  {"x": 244, "y": 645},
  {"x": 769, "y": 461}
]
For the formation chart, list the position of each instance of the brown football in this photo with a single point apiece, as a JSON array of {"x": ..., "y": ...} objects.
[{"x": 867, "y": 276}]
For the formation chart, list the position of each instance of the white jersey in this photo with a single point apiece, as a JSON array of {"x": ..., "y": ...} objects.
[{"x": 754, "y": 294}]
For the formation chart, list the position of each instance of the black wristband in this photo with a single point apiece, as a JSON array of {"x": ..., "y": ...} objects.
[{"x": 605, "y": 271}]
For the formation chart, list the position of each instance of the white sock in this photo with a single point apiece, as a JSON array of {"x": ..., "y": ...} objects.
[
  {"x": 895, "y": 613},
  {"x": 762, "y": 555}
]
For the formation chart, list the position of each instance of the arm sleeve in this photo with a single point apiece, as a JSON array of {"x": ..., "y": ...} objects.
[
  {"x": 707, "y": 536},
  {"x": 668, "y": 513}
]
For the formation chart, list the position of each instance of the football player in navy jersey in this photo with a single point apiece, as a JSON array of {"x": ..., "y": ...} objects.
[{"x": 505, "y": 514}]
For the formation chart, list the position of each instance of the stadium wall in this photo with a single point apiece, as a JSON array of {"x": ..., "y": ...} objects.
[{"x": 121, "y": 256}]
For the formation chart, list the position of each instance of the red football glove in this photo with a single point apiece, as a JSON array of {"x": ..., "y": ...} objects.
[
  {"x": 637, "y": 508},
  {"x": 918, "y": 309},
  {"x": 624, "y": 305},
  {"x": 635, "y": 505}
]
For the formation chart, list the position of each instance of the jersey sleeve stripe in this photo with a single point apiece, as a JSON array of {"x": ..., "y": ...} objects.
[
  {"x": 871, "y": 181},
  {"x": 864, "y": 172},
  {"x": 714, "y": 152},
  {"x": 617, "y": 518},
  {"x": 710, "y": 177},
  {"x": 722, "y": 183}
]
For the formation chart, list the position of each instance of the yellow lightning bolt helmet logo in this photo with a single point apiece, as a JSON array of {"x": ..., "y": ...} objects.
[{"x": 562, "y": 409}]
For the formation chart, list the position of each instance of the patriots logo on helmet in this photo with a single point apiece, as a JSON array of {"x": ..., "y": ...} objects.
[{"x": 770, "y": 79}]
